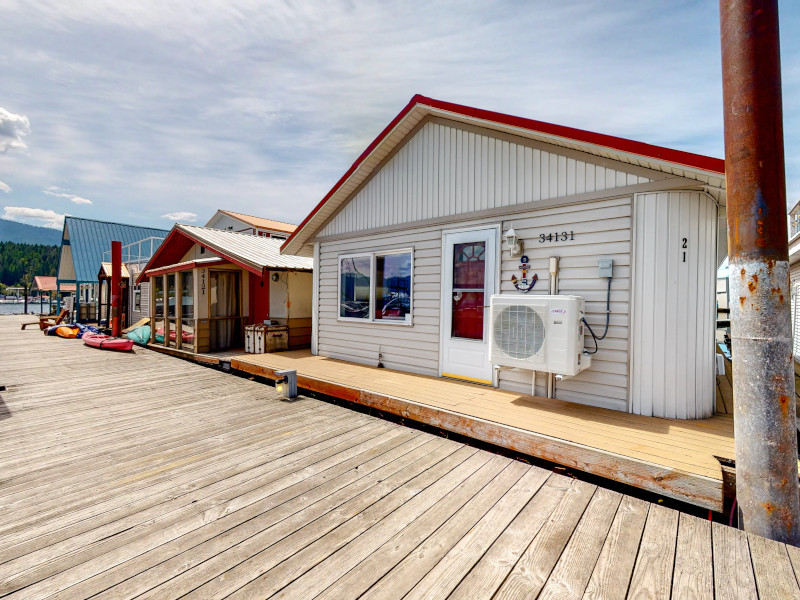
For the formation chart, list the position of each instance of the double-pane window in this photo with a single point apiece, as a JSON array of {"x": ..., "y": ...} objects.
[{"x": 376, "y": 287}]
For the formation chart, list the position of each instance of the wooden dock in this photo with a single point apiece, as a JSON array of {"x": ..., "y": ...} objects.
[{"x": 138, "y": 475}]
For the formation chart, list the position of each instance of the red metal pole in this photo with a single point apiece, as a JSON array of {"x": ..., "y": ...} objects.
[
  {"x": 763, "y": 374},
  {"x": 116, "y": 287}
]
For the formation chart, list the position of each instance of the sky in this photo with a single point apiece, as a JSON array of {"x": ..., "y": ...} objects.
[{"x": 149, "y": 113}]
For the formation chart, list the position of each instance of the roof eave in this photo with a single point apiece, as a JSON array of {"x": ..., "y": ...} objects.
[{"x": 299, "y": 242}]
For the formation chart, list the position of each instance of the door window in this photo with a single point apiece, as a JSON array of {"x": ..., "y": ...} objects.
[{"x": 469, "y": 273}]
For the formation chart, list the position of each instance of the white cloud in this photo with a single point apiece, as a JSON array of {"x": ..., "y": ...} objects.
[
  {"x": 54, "y": 191},
  {"x": 4, "y": 187},
  {"x": 13, "y": 128},
  {"x": 34, "y": 216},
  {"x": 254, "y": 98},
  {"x": 180, "y": 217}
]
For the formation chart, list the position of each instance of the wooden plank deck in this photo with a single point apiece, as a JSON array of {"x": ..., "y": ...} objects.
[
  {"x": 137, "y": 475},
  {"x": 670, "y": 457}
]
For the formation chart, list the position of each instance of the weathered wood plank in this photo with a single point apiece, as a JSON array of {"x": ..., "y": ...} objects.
[
  {"x": 530, "y": 574},
  {"x": 454, "y": 565},
  {"x": 652, "y": 574},
  {"x": 733, "y": 570},
  {"x": 487, "y": 575},
  {"x": 693, "y": 575},
  {"x": 614, "y": 567},
  {"x": 293, "y": 506},
  {"x": 773, "y": 569},
  {"x": 570, "y": 575},
  {"x": 329, "y": 571}
]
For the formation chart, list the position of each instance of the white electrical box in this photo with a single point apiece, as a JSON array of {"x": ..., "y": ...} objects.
[{"x": 541, "y": 333}]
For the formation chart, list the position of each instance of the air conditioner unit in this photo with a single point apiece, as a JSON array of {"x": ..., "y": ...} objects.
[{"x": 540, "y": 333}]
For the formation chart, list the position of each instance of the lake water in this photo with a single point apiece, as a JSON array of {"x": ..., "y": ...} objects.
[{"x": 16, "y": 308}]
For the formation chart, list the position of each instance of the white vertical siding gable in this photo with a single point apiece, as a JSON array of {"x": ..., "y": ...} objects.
[{"x": 444, "y": 171}]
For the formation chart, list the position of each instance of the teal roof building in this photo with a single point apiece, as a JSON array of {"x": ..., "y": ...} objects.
[{"x": 83, "y": 243}]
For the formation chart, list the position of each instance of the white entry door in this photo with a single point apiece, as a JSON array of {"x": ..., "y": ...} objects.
[{"x": 469, "y": 279}]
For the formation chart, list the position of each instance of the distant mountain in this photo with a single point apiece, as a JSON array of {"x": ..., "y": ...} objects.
[{"x": 11, "y": 231}]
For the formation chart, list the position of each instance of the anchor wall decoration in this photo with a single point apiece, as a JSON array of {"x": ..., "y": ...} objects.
[{"x": 524, "y": 285}]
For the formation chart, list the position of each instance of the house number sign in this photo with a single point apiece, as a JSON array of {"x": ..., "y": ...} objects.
[
  {"x": 557, "y": 236},
  {"x": 524, "y": 285}
]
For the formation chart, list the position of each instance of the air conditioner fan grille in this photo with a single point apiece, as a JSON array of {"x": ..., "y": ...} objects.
[{"x": 518, "y": 331}]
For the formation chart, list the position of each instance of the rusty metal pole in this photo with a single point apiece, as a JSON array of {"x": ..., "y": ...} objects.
[
  {"x": 763, "y": 374},
  {"x": 116, "y": 283}
]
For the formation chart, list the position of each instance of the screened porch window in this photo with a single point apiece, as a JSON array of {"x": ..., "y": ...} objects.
[{"x": 376, "y": 287}]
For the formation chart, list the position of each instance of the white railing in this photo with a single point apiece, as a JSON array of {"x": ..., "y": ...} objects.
[{"x": 137, "y": 253}]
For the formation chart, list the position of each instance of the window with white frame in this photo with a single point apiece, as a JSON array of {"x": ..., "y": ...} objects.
[
  {"x": 376, "y": 286},
  {"x": 137, "y": 297}
]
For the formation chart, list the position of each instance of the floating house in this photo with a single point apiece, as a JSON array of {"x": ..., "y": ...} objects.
[
  {"x": 85, "y": 244},
  {"x": 794, "y": 275},
  {"x": 46, "y": 284},
  {"x": 207, "y": 284},
  {"x": 239, "y": 223},
  {"x": 452, "y": 205}
]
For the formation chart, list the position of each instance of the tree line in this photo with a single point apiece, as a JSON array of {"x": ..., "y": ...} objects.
[{"x": 20, "y": 260}]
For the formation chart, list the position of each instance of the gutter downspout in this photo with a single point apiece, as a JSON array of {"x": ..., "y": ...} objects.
[{"x": 552, "y": 290}]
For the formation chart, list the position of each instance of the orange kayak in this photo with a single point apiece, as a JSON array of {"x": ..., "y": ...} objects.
[{"x": 65, "y": 331}]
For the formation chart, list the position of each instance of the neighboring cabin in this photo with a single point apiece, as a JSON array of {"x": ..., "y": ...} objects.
[
  {"x": 85, "y": 245},
  {"x": 407, "y": 251},
  {"x": 239, "y": 223},
  {"x": 225, "y": 280}
]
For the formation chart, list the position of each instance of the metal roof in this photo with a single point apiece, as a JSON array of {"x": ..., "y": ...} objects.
[
  {"x": 706, "y": 170},
  {"x": 88, "y": 239},
  {"x": 252, "y": 251},
  {"x": 45, "y": 283},
  {"x": 106, "y": 271}
]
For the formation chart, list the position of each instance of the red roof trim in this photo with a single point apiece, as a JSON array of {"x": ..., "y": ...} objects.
[
  {"x": 188, "y": 236},
  {"x": 185, "y": 266},
  {"x": 142, "y": 276},
  {"x": 688, "y": 159}
]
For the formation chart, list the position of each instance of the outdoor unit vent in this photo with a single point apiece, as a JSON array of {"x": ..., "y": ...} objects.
[{"x": 540, "y": 333}]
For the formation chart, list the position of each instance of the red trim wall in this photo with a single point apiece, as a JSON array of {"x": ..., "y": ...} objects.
[
  {"x": 185, "y": 267},
  {"x": 688, "y": 159},
  {"x": 259, "y": 297}
]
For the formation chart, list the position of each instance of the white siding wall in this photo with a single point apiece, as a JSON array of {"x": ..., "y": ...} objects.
[
  {"x": 601, "y": 229},
  {"x": 145, "y": 303},
  {"x": 674, "y": 310},
  {"x": 794, "y": 277},
  {"x": 446, "y": 171},
  {"x": 414, "y": 348}
]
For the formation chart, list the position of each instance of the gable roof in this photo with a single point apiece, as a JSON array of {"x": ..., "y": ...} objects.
[
  {"x": 251, "y": 252},
  {"x": 706, "y": 170},
  {"x": 88, "y": 239},
  {"x": 259, "y": 222},
  {"x": 46, "y": 283}
]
